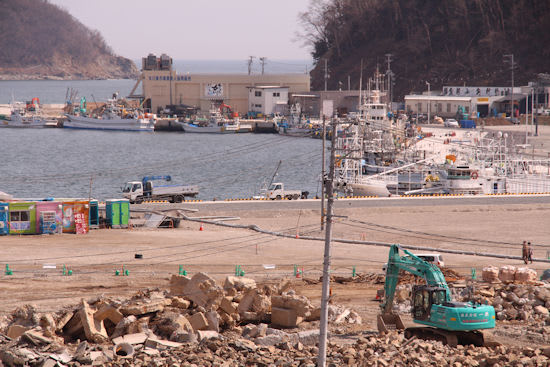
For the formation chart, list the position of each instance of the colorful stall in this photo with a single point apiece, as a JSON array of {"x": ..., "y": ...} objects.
[
  {"x": 22, "y": 217},
  {"x": 4, "y": 223},
  {"x": 76, "y": 217},
  {"x": 49, "y": 217},
  {"x": 94, "y": 214}
]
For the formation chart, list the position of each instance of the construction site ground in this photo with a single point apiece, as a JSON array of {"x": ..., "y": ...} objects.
[{"x": 152, "y": 256}]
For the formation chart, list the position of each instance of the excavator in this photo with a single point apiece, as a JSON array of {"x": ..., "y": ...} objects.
[{"x": 445, "y": 320}]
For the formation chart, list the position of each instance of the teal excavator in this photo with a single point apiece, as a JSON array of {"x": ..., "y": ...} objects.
[{"x": 432, "y": 305}]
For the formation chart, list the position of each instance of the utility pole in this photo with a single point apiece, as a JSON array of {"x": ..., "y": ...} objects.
[
  {"x": 326, "y": 74},
  {"x": 323, "y": 175},
  {"x": 429, "y": 102},
  {"x": 510, "y": 59},
  {"x": 322, "y": 358},
  {"x": 262, "y": 61},
  {"x": 250, "y": 58},
  {"x": 389, "y": 74}
]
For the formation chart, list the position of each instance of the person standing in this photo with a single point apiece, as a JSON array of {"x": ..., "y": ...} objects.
[
  {"x": 529, "y": 253},
  {"x": 525, "y": 252}
]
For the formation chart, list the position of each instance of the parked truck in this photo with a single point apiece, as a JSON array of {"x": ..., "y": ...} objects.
[
  {"x": 277, "y": 191},
  {"x": 139, "y": 191}
]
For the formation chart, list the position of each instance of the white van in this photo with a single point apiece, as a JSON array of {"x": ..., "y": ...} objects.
[{"x": 433, "y": 258}]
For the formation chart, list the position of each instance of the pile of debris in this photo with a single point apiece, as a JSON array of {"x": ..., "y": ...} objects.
[{"x": 195, "y": 310}]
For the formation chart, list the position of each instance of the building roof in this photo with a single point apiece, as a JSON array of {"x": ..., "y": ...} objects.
[
  {"x": 437, "y": 98},
  {"x": 268, "y": 87}
]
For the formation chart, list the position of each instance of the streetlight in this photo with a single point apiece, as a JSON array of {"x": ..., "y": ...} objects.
[{"x": 429, "y": 102}]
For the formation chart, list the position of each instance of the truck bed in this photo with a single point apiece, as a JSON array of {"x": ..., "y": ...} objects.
[{"x": 176, "y": 190}]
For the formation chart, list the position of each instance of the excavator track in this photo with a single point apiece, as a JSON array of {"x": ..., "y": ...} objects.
[{"x": 451, "y": 338}]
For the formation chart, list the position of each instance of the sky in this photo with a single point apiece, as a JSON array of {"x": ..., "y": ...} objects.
[{"x": 195, "y": 29}]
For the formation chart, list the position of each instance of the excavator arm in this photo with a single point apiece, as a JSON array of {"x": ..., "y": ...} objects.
[
  {"x": 414, "y": 265},
  {"x": 153, "y": 178}
]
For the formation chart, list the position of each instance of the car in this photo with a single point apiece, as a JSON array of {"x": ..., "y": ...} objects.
[
  {"x": 450, "y": 123},
  {"x": 433, "y": 258}
]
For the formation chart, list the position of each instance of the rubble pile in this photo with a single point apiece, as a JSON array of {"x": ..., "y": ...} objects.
[
  {"x": 232, "y": 350},
  {"x": 194, "y": 310}
]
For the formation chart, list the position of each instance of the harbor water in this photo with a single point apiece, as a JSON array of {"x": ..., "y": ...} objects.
[{"x": 41, "y": 163}]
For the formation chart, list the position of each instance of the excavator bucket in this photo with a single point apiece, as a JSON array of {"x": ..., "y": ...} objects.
[{"x": 389, "y": 321}]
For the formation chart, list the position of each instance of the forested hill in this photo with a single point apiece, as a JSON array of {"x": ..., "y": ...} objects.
[
  {"x": 444, "y": 42},
  {"x": 41, "y": 40}
]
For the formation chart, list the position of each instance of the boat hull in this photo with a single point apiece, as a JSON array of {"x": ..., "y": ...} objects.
[
  {"x": 87, "y": 123},
  {"x": 370, "y": 189},
  {"x": 194, "y": 129},
  {"x": 35, "y": 124}
]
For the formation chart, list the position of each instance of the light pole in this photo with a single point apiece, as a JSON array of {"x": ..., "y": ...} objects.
[{"x": 429, "y": 102}]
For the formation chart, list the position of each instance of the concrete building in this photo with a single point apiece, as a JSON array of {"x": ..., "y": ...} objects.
[
  {"x": 267, "y": 100},
  {"x": 163, "y": 86}
]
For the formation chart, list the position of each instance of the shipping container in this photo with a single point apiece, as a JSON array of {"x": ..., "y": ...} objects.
[
  {"x": 49, "y": 216},
  {"x": 4, "y": 223},
  {"x": 22, "y": 218}
]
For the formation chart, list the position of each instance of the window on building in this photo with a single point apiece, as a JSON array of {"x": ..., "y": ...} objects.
[
  {"x": 448, "y": 107},
  {"x": 419, "y": 107},
  {"x": 258, "y": 93},
  {"x": 276, "y": 94},
  {"x": 258, "y": 105},
  {"x": 19, "y": 216},
  {"x": 439, "y": 107}
]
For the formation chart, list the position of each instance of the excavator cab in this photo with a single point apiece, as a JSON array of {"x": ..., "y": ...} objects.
[{"x": 423, "y": 299}]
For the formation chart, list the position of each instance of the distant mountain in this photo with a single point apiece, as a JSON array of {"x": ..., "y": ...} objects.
[
  {"x": 443, "y": 42},
  {"x": 39, "y": 40}
]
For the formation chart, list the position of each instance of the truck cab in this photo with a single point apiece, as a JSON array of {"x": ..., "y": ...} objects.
[
  {"x": 132, "y": 190},
  {"x": 276, "y": 191}
]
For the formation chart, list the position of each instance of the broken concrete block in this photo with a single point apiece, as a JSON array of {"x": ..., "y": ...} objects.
[
  {"x": 122, "y": 327},
  {"x": 178, "y": 283},
  {"x": 145, "y": 308},
  {"x": 261, "y": 304},
  {"x": 110, "y": 313},
  {"x": 228, "y": 306},
  {"x": 207, "y": 334},
  {"x": 269, "y": 340},
  {"x": 161, "y": 344},
  {"x": 342, "y": 316},
  {"x": 63, "y": 320},
  {"x": 180, "y": 303},
  {"x": 93, "y": 329},
  {"x": 283, "y": 286},
  {"x": 251, "y": 316},
  {"x": 245, "y": 304},
  {"x": 285, "y": 317},
  {"x": 213, "y": 320},
  {"x": 309, "y": 337},
  {"x": 137, "y": 338},
  {"x": 15, "y": 331},
  {"x": 47, "y": 322},
  {"x": 239, "y": 283},
  {"x": 300, "y": 304},
  {"x": 203, "y": 291},
  {"x": 36, "y": 338},
  {"x": 198, "y": 321}
]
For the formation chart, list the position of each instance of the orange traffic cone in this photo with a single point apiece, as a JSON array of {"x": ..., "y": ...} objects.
[{"x": 201, "y": 228}]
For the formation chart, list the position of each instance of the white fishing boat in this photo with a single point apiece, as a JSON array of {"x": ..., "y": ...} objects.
[
  {"x": 26, "y": 116},
  {"x": 112, "y": 118},
  {"x": 196, "y": 127}
]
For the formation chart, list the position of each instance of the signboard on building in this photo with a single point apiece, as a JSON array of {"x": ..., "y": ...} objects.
[
  {"x": 213, "y": 90},
  {"x": 79, "y": 221},
  {"x": 462, "y": 91}
]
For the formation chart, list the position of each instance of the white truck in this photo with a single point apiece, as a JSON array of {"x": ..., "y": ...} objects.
[
  {"x": 277, "y": 192},
  {"x": 139, "y": 191}
]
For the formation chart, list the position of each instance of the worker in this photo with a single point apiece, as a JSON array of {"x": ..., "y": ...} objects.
[
  {"x": 529, "y": 252},
  {"x": 525, "y": 252}
]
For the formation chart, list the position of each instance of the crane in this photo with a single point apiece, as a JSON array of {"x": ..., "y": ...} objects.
[{"x": 432, "y": 305}]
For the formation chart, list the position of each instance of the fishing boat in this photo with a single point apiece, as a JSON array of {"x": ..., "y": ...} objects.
[
  {"x": 112, "y": 117},
  {"x": 26, "y": 116}
]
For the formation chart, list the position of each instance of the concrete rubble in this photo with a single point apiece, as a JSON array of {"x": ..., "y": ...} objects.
[{"x": 195, "y": 314}]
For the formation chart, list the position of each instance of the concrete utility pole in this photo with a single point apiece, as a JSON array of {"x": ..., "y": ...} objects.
[
  {"x": 250, "y": 58},
  {"x": 429, "y": 102},
  {"x": 510, "y": 59},
  {"x": 322, "y": 358},
  {"x": 323, "y": 174},
  {"x": 262, "y": 61}
]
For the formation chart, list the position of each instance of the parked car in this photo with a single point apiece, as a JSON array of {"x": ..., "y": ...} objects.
[
  {"x": 451, "y": 123},
  {"x": 434, "y": 258}
]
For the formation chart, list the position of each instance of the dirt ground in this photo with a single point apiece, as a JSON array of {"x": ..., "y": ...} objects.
[{"x": 94, "y": 257}]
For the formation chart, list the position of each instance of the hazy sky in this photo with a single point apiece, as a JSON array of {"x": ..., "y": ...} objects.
[{"x": 194, "y": 29}]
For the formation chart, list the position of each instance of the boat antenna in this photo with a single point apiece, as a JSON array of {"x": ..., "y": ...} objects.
[{"x": 361, "y": 83}]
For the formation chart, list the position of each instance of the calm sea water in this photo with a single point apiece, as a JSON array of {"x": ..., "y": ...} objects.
[{"x": 63, "y": 162}]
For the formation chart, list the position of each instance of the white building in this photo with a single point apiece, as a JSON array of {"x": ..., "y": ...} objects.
[{"x": 267, "y": 100}]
